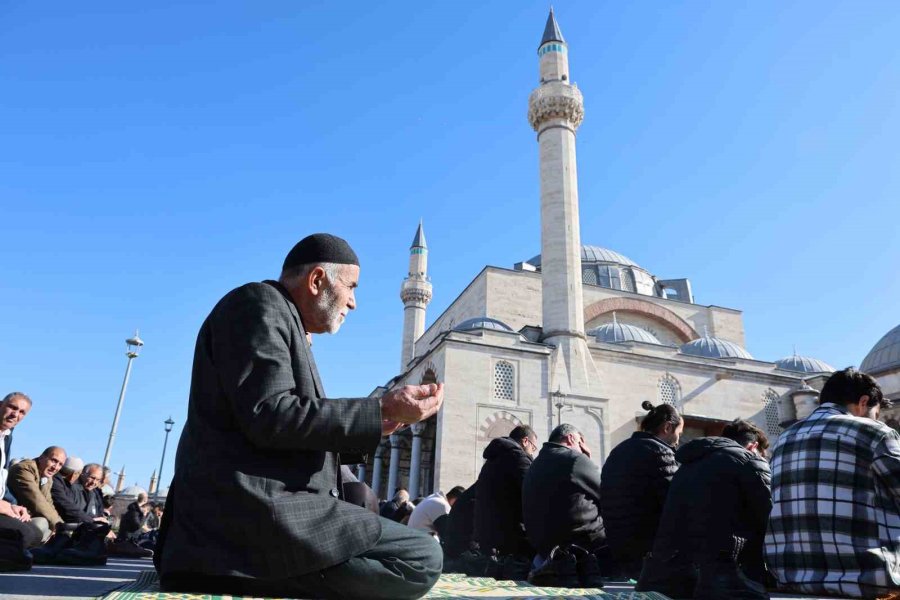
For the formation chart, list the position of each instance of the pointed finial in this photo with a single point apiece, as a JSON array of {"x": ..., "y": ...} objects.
[
  {"x": 419, "y": 240},
  {"x": 705, "y": 331},
  {"x": 551, "y": 31},
  {"x": 795, "y": 349},
  {"x": 615, "y": 322}
]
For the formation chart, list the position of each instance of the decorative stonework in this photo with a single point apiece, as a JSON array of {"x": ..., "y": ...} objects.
[
  {"x": 498, "y": 424},
  {"x": 653, "y": 311},
  {"x": 555, "y": 101},
  {"x": 415, "y": 295}
]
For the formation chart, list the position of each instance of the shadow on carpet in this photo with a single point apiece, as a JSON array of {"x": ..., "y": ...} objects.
[{"x": 146, "y": 587}]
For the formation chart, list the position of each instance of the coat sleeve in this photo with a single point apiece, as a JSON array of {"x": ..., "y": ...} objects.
[
  {"x": 886, "y": 464},
  {"x": 586, "y": 475},
  {"x": 67, "y": 507},
  {"x": 251, "y": 340},
  {"x": 756, "y": 485},
  {"x": 665, "y": 467},
  {"x": 26, "y": 488}
]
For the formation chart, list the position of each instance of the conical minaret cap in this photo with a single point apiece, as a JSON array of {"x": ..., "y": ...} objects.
[
  {"x": 551, "y": 31},
  {"x": 419, "y": 240}
]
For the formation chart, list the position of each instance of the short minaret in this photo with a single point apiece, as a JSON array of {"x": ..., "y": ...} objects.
[
  {"x": 416, "y": 294},
  {"x": 120, "y": 482},
  {"x": 152, "y": 488},
  {"x": 555, "y": 110}
]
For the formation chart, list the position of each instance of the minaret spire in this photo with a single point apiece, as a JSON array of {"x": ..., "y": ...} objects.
[
  {"x": 416, "y": 294},
  {"x": 555, "y": 110}
]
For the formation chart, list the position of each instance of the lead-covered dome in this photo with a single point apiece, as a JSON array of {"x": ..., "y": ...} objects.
[
  {"x": 133, "y": 490},
  {"x": 803, "y": 364},
  {"x": 712, "y": 347},
  {"x": 607, "y": 268},
  {"x": 885, "y": 355},
  {"x": 482, "y": 323},
  {"x": 615, "y": 333}
]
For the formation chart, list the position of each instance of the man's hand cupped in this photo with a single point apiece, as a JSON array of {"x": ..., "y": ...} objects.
[{"x": 409, "y": 404}]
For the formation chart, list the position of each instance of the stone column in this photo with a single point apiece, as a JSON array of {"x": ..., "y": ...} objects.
[
  {"x": 416, "y": 463},
  {"x": 394, "y": 469},
  {"x": 376, "y": 469}
]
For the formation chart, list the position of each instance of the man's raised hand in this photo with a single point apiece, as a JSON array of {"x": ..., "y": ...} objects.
[{"x": 410, "y": 404}]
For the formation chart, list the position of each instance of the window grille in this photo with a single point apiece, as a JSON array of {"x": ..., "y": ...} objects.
[
  {"x": 773, "y": 415},
  {"x": 589, "y": 276},
  {"x": 504, "y": 381},
  {"x": 669, "y": 392}
]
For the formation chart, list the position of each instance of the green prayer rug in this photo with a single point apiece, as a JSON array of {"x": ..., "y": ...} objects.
[{"x": 146, "y": 587}]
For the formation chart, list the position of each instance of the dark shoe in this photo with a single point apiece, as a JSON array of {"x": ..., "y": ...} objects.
[
  {"x": 560, "y": 570},
  {"x": 89, "y": 546},
  {"x": 514, "y": 568},
  {"x": 724, "y": 580},
  {"x": 588, "y": 568},
  {"x": 473, "y": 562},
  {"x": 128, "y": 549},
  {"x": 492, "y": 569},
  {"x": 13, "y": 555},
  {"x": 46, "y": 554}
]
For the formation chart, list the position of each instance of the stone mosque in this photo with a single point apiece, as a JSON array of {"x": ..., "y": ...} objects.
[{"x": 578, "y": 334}]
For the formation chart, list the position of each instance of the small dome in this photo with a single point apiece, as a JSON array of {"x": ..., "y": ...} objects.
[
  {"x": 711, "y": 347},
  {"x": 482, "y": 323},
  {"x": 619, "y": 332},
  {"x": 884, "y": 355},
  {"x": 804, "y": 364},
  {"x": 133, "y": 490}
]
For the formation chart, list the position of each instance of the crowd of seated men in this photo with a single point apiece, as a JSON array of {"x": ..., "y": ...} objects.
[
  {"x": 52, "y": 508},
  {"x": 718, "y": 517}
]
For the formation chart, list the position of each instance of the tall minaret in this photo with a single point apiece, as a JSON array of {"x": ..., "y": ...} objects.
[
  {"x": 153, "y": 482},
  {"x": 555, "y": 110},
  {"x": 120, "y": 483},
  {"x": 416, "y": 294}
]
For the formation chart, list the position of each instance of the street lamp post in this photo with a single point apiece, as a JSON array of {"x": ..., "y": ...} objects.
[
  {"x": 168, "y": 423},
  {"x": 560, "y": 403},
  {"x": 133, "y": 348}
]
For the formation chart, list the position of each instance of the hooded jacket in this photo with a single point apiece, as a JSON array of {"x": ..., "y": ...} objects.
[
  {"x": 719, "y": 499},
  {"x": 498, "y": 504},
  {"x": 634, "y": 484}
]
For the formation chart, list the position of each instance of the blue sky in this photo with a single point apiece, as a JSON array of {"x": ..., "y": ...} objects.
[{"x": 155, "y": 156}]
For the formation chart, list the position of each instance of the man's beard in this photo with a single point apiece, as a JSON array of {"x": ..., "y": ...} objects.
[{"x": 328, "y": 310}]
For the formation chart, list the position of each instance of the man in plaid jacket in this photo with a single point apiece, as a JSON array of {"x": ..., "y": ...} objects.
[{"x": 835, "y": 521}]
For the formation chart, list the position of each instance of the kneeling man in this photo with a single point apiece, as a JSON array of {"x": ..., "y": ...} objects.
[{"x": 255, "y": 505}]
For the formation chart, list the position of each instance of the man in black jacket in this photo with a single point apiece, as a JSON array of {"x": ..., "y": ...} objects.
[
  {"x": 561, "y": 495},
  {"x": 635, "y": 482},
  {"x": 714, "y": 519},
  {"x": 76, "y": 492},
  {"x": 498, "y": 504}
]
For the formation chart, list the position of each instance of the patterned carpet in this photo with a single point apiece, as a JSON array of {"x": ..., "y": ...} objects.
[{"x": 146, "y": 587}]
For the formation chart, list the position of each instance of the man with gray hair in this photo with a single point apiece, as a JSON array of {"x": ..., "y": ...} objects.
[
  {"x": 256, "y": 503},
  {"x": 561, "y": 507},
  {"x": 13, "y": 409},
  {"x": 16, "y": 530},
  {"x": 71, "y": 495},
  {"x": 31, "y": 480}
]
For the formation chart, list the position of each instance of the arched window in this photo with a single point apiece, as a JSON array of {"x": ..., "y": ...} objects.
[
  {"x": 670, "y": 391},
  {"x": 589, "y": 275},
  {"x": 628, "y": 280},
  {"x": 504, "y": 380},
  {"x": 773, "y": 415}
]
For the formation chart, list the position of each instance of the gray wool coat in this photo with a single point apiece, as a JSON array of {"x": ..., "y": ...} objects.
[{"x": 257, "y": 474}]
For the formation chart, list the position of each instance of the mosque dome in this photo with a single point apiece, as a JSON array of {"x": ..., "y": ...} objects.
[
  {"x": 712, "y": 347},
  {"x": 884, "y": 355},
  {"x": 803, "y": 364},
  {"x": 133, "y": 490},
  {"x": 616, "y": 332},
  {"x": 482, "y": 323},
  {"x": 609, "y": 269}
]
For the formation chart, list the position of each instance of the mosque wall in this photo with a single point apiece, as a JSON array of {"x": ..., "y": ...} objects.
[
  {"x": 890, "y": 384},
  {"x": 469, "y": 304},
  {"x": 514, "y": 297}
]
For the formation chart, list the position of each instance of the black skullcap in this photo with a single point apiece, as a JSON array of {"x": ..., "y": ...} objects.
[{"x": 320, "y": 248}]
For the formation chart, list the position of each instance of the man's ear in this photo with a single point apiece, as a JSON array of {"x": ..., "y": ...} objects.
[{"x": 315, "y": 279}]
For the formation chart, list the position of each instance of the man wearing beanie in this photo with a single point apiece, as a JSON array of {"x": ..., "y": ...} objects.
[{"x": 255, "y": 506}]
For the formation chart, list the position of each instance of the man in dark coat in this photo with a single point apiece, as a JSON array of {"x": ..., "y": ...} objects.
[
  {"x": 714, "y": 519},
  {"x": 76, "y": 494},
  {"x": 561, "y": 495},
  {"x": 255, "y": 504},
  {"x": 498, "y": 505},
  {"x": 634, "y": 484}
]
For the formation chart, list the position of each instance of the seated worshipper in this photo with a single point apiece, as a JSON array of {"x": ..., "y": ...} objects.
[
  {"x": 561, "y": 507},
  {"x": 709, "y": 542},
  {"x": 154, "y": 516},
  {"x": 498, "y": 507},
  {"x": 634, "y": 483},
  {"x": 255, "y": 505},
  {"x": 13, "y": 409},
  {"x": 76, "y": 492},
  {"x": 456, "y": 533},
  {"x": 433, "y": 507},
  {"x": 835, "y": 522},
  {"x": 130, "y": 529},
  {"x": 30, "y": 481},
  {"x": 399, "y": 508}
]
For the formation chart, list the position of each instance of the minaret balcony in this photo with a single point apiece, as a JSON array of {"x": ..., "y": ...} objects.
[{"x": 555, "y": 100}]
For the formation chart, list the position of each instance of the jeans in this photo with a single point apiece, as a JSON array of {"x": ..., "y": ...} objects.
[
  {"x": 404, "y": 564},
  {"x": 31, "y": 533}
]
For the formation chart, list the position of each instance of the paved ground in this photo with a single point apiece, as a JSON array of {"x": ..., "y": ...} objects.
[{"x": 59, "y": 582}]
